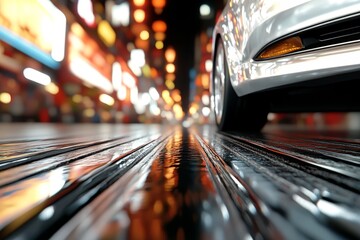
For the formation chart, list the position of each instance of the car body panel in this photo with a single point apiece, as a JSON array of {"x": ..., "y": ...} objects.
[{"x": 247, "y": 26}]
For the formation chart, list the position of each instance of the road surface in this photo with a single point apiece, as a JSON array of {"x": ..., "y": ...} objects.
[{"x": 99, "y": 181}]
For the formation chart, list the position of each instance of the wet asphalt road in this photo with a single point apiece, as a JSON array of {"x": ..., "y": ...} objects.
[{"x": 169, "y": 182}]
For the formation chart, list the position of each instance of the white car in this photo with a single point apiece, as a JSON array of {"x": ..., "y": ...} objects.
[{"x": 284, "y": 56}]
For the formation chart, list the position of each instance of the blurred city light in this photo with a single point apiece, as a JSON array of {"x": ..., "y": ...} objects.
[
  {"x": 77, "y": 98},
  {"x": 167, "y": 98},
  {"x": 154, "y": 94},
  {"x": 137, "y": 56},
  {"x": 121, "y": 94},
  {"x": 170, "y": 55},
  {"x": 108, "y": 100},
  {"x": 192, "y": 109},
  {"x": 139, "y": 15},
  {"x": 36, "y": 76},
  {"x": 158, "y": 3},
  {"x": 116, "y": 75},
  {"x": 120, "y": 14},
  {"x": 208, "y": 65},
  {"x": 170, "y": 68},
  {"x": 106, "y": 33},
  {"x": 5, "y": 97},
  {"x": 144, "y": 35},
  {"x": 85, "y": 11},
  {"x": 59, "y": 37},
  {"x": 170, "y": 84},
  {"x": 139, "y": 108},
  {"x": 205, "y": 10},
  {"x": 205, "y": 80},
  {"x": 159, "y": 26},
  {"x": 135, "y": 68},
  {"x": 89, "y": 113},
  {"x": 154, "y": 72},
  {"x": 139, "y": 3},
  {"x": 206, "y": 111},
  {"x": 129, "y": 80},
  {"x": 155, "y": 110},
  {"x": 144, "y": 98},
  {"x": 89, "y": 74},
  {"x": 159, "y": 45},
  {"x": 52, "y": 88},
  {"x": 146, "y": 70},
  {"x": 176, "y": 96},
  {"x": 205, "y": 99},
  {"x": 179, "y": 114}
]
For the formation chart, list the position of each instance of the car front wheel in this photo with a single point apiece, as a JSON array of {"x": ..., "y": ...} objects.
[{"x": 246, "y": 113}]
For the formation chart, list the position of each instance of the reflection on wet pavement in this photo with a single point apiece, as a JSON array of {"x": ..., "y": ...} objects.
[
  {"x": 152, "y": 182},
  {"x": 176, "y": 199},
  {"x": 170, "y": 187},
  {"x": 15, "y": 200}
]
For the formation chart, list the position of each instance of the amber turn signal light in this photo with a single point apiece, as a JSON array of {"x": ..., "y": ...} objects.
[{"x": 281, "y": 48}]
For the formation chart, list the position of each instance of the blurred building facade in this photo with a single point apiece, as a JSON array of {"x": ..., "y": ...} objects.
[{"x": 85, "y": 61}]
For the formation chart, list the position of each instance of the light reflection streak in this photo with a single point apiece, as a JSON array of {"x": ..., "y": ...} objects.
[
  {"x": 306, "y": 204},
  {"x": 18, "y": 198},
  {"x": 162, "y": 198},
  {"x": 47, "y": 213},
  {"x": 338, "y": 212},
  {"x": 225, "y": 212}
]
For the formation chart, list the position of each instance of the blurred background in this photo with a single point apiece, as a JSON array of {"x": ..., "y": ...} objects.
[
  {"x": 113, "y": 61},
  {"x": 105, "y": 60}
]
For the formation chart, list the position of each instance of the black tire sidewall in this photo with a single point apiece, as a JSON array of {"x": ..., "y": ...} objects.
[
  {"x": 247, "y": 114},
  {"x": 230, "y": 98}
]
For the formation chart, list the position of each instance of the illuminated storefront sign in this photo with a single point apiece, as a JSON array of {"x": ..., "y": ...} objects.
[
  {"x": 87, "y": 61},
  {"x": 35, "y": 27}
]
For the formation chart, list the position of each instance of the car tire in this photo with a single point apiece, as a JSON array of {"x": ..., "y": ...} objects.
[{"x": 246, "y": 114}]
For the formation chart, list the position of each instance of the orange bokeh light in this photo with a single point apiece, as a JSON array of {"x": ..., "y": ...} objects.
[
  {"x": 139, "y": 15},
  {"x": 159, "y": 26},
  {"x": 170, "y": 55},
  {"x": 158, "y": 3},
  {"x": 139, "y": 3}
]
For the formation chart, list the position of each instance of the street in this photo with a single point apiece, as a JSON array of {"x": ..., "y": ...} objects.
[
  {"x": 179, "y": 120},
  {"x": 170, "y": 182}
]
